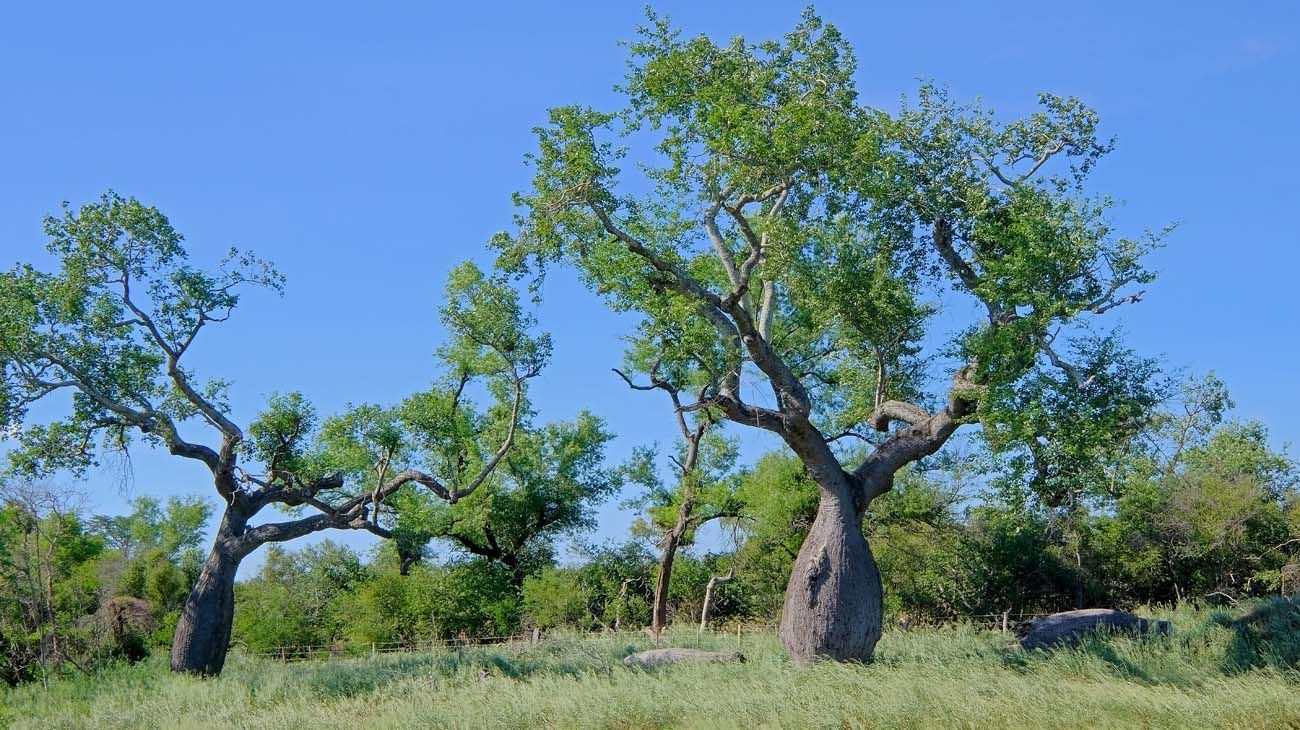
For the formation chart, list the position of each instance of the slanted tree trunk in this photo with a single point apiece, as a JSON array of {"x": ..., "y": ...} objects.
[
  {"x": 672, "y": 540},
  {"x": 714, "y": 582},
  {"x": 659, "y": 611},
  {"x": 203, "y": 631},
  {"x": 833, "y": 602}
]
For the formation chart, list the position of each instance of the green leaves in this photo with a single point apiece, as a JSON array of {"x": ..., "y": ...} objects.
[
  {"x": 549, "y": 485},
  {"x": 280, "y": 435},
  {"x": 761, "y": 182},
  {"x": 112, "y": 325},
  {"x": 757, "y": 113},
  {"x": 491, "y": 334},
  {"x": 1066, "y": 438},
  {"x": 116, "y": 236}
]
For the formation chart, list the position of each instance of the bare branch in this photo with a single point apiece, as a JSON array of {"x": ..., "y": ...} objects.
[
  {"x": 654, "y": 384},
  {"x": 847, "y": 433},
  {"x": 149, "y": 421},
  {"x": 942, "y": 236},
  {"x": 766, "y": 311},
  {"x": 1072, "y": 371},
  {"x": 720, "y": 245},
  {"x": 1103, "y": 307},
  {"x": 501, "y": 451},
  {"x": 174, "y": 371}
]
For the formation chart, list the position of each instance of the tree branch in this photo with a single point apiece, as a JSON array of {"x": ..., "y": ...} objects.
[
  {"x": 149, "y": 421},
  {"x": 209, "y": 411},
  {"x": 488, "y": 468},
  {"x": 896, "y": 410},
  {"x": 919, "y": 440}
]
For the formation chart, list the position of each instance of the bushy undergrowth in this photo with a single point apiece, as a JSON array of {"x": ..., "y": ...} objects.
[{"x": 1215, "y": 671}]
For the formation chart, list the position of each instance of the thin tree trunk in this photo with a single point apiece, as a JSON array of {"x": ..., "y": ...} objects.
[
  {"x": 1078, "y": 575},
  {"x": 673, "y": 538},
  {"x": 203, "y": 631},
  {"x": 517, "y": 572},
  {"x": 672, "y": 541},
  {"x": 622, "y": 603},
  {"x": 659, "y": 611},
  {"x": 833, "y": 602}
]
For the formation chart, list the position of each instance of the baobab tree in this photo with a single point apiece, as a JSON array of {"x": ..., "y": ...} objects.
[
  {"x": 112, "y": 327},
  {"x": 793, "y": 245}
]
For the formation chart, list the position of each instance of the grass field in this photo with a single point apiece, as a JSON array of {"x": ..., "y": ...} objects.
[{"x": 1211, "y": 673}]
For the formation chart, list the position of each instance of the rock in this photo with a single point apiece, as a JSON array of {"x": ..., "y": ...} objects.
[
  {"x": 662, "y": 657},
  {"x": 1069, "y": 627}
]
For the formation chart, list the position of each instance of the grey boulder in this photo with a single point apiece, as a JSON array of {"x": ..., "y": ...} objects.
[
  {"x": 662, "y": 657},
  {"x": 1067, "y": 628}
]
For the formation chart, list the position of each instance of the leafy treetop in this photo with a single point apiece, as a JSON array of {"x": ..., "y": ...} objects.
[{"x": 782, "y": 230}]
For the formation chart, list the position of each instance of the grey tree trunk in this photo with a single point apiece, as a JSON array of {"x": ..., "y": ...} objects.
[
  {"x": 203, "y": 631},
  {"x": 833, "y": 602},
  {"x": 707, "y": 610}
]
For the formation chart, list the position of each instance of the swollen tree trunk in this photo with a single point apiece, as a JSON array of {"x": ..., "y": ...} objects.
[
  {"x": 833, "y": 600},
  {"x": 203, "y": 631}
]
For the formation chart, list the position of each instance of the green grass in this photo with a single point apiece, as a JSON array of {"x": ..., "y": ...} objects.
[{"x": 1211, "y": 673}]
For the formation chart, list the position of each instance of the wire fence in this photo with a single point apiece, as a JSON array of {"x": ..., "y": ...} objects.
[
  {"x": 353, "y": 649},
  {"x": 1006, "y": 622},
  {"x": 346, "y": 649}
]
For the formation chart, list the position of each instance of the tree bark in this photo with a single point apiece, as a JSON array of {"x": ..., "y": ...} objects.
[
  {"x": 203, "y": 631},
  {"x": 672, "y": 541},
  {"x": 659, "y": 611},
  {"x": 833, "y": 602}
]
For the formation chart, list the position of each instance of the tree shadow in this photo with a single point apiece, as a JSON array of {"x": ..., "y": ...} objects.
[
  {"x": 1265, "y": 636},
  {"x": 1096, "y": 644},
  {"x": 1099, "y": 647}
]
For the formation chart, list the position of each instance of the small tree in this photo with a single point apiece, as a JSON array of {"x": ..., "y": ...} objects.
[
  {"x": 154, "y": 555},
  {"x": 113, "y": 327},
  {"x": 299, "y": 598},
  {"x": 705, "y": 486},
  {"x": 174, "y": 527},
  {"x": 783, "y": 232},
  {"x": 548, "y": 486},
  {"x": 1209, "y": 509},
  {"x": 47, "y": 579}
]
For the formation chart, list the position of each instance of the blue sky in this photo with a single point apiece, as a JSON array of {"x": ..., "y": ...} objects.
[{"x": 367, "y": 148}]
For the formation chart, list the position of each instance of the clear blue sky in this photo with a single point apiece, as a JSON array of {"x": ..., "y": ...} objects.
[{"x": 368, "y": 149}]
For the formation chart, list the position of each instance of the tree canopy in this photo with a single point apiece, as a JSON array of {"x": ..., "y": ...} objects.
[
  {"x": 112, "y": 327},
  {"x": 766, "y": 224}
]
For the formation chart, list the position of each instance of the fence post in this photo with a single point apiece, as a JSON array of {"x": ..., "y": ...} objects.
[{"x": 1004, "y": 620}]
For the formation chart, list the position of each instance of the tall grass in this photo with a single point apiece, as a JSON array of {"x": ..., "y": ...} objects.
[{"x": 1206, "y": 675}]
